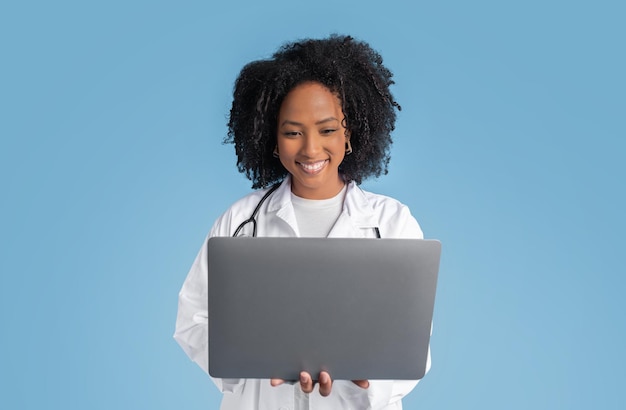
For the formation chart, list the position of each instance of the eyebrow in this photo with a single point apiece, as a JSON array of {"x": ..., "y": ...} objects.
[{"x": 325, "y": 120}]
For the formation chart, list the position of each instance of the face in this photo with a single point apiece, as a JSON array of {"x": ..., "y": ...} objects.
[{"x": 312, "y": 140}]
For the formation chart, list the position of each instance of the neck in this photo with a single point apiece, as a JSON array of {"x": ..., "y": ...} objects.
[{"x": 324, "y": 192}]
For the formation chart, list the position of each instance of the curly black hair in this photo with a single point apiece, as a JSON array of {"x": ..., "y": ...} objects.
[{"x": 347, "y": 67}]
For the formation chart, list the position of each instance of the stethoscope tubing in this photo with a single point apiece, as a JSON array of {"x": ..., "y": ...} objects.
[{"x": 252, "y": 218}]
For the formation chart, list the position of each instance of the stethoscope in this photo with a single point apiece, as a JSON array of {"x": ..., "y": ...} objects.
[{"x": 252, "y": 218}]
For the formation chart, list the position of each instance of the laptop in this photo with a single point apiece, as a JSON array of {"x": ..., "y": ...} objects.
[{"x": 356, "y": 308}]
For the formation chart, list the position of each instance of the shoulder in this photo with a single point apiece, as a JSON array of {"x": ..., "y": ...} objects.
[
  {"x": 248, "y": 202},
  {"x": 391, "y": 215},
  {"x": 237, "y": 213},
  {"x": 380, "y": 203}
]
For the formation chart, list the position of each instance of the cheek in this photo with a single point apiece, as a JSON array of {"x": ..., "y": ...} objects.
[
  {"x": 284, "y": 146},
  {"x": 288, "y": 150},
  {"x": 341, "y": 144}
]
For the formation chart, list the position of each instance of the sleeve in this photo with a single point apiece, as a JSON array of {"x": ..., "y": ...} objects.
[
  {"x": 192, "y": 321},
  {"x": 404, "y": 225}
]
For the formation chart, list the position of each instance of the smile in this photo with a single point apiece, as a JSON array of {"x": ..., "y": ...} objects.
[{"x": 313, "y": 167}]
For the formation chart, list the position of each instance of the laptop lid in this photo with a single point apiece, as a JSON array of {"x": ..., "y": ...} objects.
[{"x": 357, "y": 308}]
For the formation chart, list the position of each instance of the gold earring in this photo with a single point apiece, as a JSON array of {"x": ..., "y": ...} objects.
[
  {"x": 275, "y": 153},
  {"x": 348, "y": 147}
]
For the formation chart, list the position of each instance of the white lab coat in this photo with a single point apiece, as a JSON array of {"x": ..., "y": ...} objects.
[{"x": 362, "y": 212}]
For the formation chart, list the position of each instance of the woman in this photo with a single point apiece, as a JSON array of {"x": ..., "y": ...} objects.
[{"x": 315, "y": 118}]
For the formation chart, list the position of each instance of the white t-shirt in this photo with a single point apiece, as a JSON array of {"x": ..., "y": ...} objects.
[{"x": 316, "y": 217}]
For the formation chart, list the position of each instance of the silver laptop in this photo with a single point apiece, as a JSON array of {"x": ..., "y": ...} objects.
[{"x": 357, "y": 308}]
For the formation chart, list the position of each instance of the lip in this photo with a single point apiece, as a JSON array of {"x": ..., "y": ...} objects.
[{"x": 312, "y": 167}]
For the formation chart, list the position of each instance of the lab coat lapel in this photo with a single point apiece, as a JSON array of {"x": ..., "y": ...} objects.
[
  {"x": 280, "y": 204},
  {"x": 357, "y": 218}
]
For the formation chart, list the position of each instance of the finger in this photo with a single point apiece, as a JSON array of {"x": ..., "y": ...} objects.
[
  {"x": 276, "y": 382},
  {"x": 326, "y": 384},
  {"x": 364, "y": 384},
  {"x": 306, "y": 382}
]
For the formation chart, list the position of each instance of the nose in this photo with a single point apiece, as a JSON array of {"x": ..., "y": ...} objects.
[{"x": 311, "y": 145}]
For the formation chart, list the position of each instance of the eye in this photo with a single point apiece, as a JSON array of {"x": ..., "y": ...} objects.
[
  {"x": 328, "y": 131},
  {"x": 291, "y": 134}
]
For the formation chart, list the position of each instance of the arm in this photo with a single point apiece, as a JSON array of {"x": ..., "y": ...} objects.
[{"x": 192, "y": 324}]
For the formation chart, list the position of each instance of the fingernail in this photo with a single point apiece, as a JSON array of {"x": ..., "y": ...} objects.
[{"x": 302, "y": 379}]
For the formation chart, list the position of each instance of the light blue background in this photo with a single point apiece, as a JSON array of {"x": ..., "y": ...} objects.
[{"x": 509, "y": 149}]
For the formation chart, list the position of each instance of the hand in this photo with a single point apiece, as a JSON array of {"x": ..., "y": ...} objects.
[{"x": 325, "y": 382}]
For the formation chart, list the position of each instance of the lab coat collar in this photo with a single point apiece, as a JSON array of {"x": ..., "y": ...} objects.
[
  {"x": 280, "y": 203},
  {"x": 281, "y": 198},
  {"x": 357, "y": 213},
  {"x": 357, "y": 217},
  {"x": 358, "y": 207}
]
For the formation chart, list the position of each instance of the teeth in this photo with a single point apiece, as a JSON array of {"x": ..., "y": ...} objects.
[{"x": 314, "y": 167}]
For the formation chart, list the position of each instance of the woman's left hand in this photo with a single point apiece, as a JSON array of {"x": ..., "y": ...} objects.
[{"x": 324, "y": 380}]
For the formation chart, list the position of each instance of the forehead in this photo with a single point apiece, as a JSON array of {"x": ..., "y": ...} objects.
[{"x": 310, "y": 98}]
